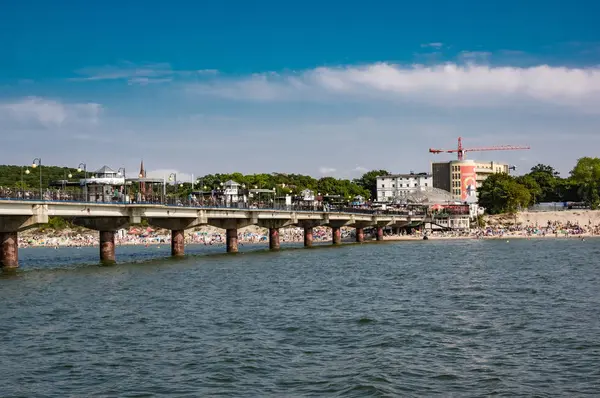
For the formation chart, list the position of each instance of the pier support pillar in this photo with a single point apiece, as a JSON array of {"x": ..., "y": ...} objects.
[
  {"x": 107, "y": 247},
  {"x": 232, "y": 240},
  {"x": 336, "y": 235},
  {"x": 379, "y": 233},
  {"x": 274, "y": 238},
  {"x": 308, "y": 236},
  {"x": 360, "y": 235},
  {"x": 177, "y": 243},
  {"x": 9, "y": 252}
]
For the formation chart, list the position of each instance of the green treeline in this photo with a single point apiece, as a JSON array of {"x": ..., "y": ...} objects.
[
  {"x": 292, "y": 183},
  {"x": 501, "y": 193},
  {"x": 16, "y": 177},
  {"x": 10, "y": 176}
]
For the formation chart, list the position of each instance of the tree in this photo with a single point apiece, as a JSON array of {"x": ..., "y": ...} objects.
[
  {"x": 547, "y": 179},
  {"x": 11, "y": 176},
  {"x": 501, "y": 193},
  {"x": 586, "y": 174},
  {"x": 369, "y": 180},
  {"x": 543, "y": 168},
  {"x": 532, "y": 186}
]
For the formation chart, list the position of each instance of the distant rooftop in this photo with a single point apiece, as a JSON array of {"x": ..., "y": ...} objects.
[
  {"x": 409, "y": 175},
  {"x": 105, "y": 170}
]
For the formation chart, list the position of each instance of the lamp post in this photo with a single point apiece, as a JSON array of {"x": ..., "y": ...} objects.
[
  {"x": 65, "y": 175},
  {"x": 171, "y": 177},
  {"x": 121, "y": 172},
  {"x": 243, "y": 195},
  {"x": 83, "y": 167},
  {"x": 23, "y": 182},
  {"x": 35, "y": 163}
]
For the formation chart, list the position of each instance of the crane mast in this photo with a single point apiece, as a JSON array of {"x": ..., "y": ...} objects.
[{"x": 461, "y": 151}]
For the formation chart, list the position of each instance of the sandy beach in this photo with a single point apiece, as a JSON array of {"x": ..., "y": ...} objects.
[{"x": 525, "y": 225}]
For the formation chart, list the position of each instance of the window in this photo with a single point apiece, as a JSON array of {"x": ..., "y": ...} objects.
[
  {"x": 393, "y": 185},
  {"x": 425, "y": 184},
  {"x": 382, "y": 185}
]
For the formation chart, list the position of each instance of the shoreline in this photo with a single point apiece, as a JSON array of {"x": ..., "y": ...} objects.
[{"x": 346, "y": 241}]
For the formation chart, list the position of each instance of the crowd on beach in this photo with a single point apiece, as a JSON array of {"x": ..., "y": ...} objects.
[
  {"x": 551, "y": 229},
  {"x": 213, "y": 236},
  {"x": 151, "y": 237}
]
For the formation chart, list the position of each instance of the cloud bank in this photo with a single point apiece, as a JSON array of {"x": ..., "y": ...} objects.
[
  {"x": 49, "y": 113},
  {"x": 446, "y": 84}
]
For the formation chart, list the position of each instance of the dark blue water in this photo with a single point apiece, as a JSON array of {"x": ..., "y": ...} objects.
[{"x": 427, "y": 318}]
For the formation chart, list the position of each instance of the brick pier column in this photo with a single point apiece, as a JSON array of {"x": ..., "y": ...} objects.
[
  {"x": 177, "y": 243},
  {"x": 379, "y": 233},
  {"x": 232, "y": 240},
  {"x": 107, "y": 247},
  {"x": 336, "y": 235},
  {"x": 308, "y": 237},
  {"x": 360, "y": 235},
  {"x": 9, "y": 252},
  {"x": 274, "y": 238}
]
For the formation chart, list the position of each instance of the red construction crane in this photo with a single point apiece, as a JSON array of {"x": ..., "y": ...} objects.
[{"x": 461, "y": 151}]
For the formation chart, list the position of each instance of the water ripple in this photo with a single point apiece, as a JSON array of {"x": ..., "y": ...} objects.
[{"x": 404, "y": 319}]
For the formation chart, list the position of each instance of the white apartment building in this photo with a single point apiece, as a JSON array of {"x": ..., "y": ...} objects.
[{"x": 395, "y": 187}]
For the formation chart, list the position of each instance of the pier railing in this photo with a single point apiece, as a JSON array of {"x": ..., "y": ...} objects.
[{"x": 78, "y": 197}]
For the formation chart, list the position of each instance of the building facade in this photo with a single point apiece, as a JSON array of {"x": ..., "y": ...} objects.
[
  {"x": 462, "y": 178},
  {"x": 395, "y": 187},
  {"x": 105, "y": 185}
]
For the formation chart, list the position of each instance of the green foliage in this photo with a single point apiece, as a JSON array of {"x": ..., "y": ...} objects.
[
  {"x": 532, "y": 186},
  {"x": 544, "y": 169},
  {"x": 586, "y": 174},
  {"x": 547, "y": 180},
  {"x": 291, "y": 184},
  {"x": 368, "y": 181},
  {"x": 57, "y": 223},
  {"x": 501, "y": 193},
  {"x": 480, "y": 221},
  {"x": 11, "y": 176}
]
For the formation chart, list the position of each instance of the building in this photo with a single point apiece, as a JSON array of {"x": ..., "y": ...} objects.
[
  {"x": 233, "y": 193},
  {"x": 462, "y": 177},
  {"x": 105, "y": 185},
  {"x": 395, "y": 187},
  {"x": 449, "y": 217}
]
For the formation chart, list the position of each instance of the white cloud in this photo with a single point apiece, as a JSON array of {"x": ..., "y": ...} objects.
[
  {"x": 49, "y": 113},
  {"x": 445, "y": 84},
  {"x": 207, "y": 72},
  {"x": 132, "y": 73},
  {"x": 138, "y": 74},
  {"x": 435, "y": 45},
  {"x": 326, "y": 170}
]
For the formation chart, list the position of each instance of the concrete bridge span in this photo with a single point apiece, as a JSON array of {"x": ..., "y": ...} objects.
[{"x": 16, "y": 216}]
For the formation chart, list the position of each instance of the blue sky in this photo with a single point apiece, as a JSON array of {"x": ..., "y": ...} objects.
[{"x": 322, "y": 88}]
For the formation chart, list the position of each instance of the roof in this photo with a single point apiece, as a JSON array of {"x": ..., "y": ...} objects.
[
  {"x": 262, "y": 191},
  {"x": 410, "y": 175},
  {"x": 105, "y": 170},
  {"x": 232, "y": 183}
]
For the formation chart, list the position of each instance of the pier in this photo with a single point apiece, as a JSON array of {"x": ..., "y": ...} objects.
[{"x": 107, "y": 218}]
